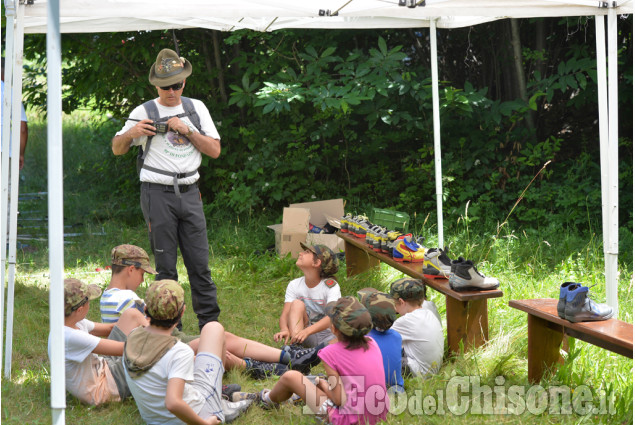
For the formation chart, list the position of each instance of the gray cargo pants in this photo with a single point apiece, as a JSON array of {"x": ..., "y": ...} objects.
[{"x": 180, "y": 222}]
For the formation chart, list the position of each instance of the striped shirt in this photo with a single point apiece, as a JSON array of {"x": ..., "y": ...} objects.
[{"x": 115, "y": 301}]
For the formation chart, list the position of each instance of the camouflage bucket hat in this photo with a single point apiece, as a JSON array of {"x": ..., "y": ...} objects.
[
  {"x": 407, "y": 289},
  {"x": 131, "y": 255},
  {"x": 330, "y": 263},
  {"x": 380, "y": 306},
  {"x": 164, "y": 299},
  {"x": 349, "y": 316},
  {"x": 169, "y": 69},
  {"x": 77, "y": 293}
]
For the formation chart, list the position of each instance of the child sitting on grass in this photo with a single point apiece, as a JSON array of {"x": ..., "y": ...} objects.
[
  {"x": 382, "y": 311},
  {"x": 94, "y": 372},
  {"x": 419, "y": 327},
  {"x": 303, "y": 320},
  {"x": 355, "y": 391},
  {"x": 129, "y": 263},
  {"x": 169, "y": 384}
]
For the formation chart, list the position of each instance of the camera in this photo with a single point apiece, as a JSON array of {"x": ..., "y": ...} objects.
[{"x": 162, "y": 127}]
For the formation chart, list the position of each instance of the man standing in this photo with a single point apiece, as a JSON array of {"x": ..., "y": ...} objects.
[{"x": 173, "y": 133}]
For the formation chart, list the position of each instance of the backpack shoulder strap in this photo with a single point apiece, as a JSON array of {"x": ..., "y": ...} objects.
[
  {"x": 153, "y": 113},
  {"x": 190, "y": 111}
]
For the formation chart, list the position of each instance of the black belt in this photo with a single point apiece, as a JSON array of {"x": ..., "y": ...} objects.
[{"x": 182, "y": 188}]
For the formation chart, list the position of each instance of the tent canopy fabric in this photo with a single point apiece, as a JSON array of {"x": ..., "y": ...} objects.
[{"x": 80, "y": 16}]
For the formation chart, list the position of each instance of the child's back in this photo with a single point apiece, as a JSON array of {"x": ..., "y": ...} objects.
[
  {"x": 422, "y": 337},
  {"x": 364, "y": 382},
  {"x": 389, "y": 342}
]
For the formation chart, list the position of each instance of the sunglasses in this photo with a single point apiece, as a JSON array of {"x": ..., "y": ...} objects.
[{"x": 175, "y": 87}]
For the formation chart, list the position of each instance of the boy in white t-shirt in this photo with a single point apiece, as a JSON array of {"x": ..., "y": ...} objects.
[
  {"x": 169, "y": 384},
  {"x": 94, "y": 372},
  {"x": 419, "y": 326},
  {"x": 303, "y": 319}
]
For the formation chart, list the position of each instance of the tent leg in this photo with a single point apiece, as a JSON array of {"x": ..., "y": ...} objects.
[
  {"x": 436, "y": 120},
  {"x": 56, "y": 208},
  {"x": 4, "y": 174},
  {"x": 14, "y": 171}
]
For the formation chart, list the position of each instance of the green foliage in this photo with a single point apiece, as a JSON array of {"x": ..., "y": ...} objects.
[{"x": 321, "y": 114}]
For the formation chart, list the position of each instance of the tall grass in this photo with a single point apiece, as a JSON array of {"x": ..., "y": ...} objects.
[{"x": 252, "y": 280}]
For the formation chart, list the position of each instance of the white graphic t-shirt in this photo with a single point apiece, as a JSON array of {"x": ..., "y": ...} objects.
[{"x": 171, "y": 151}]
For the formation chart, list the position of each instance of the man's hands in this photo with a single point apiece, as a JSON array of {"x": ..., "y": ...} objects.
[
  {"x": 142, "y": 128},
  {"x": 177, "y": 125}
]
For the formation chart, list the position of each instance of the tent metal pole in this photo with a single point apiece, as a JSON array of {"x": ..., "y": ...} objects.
[
  {"x": 4, "y": 175},
  {"x": 436, "y": 123},
  {"x": 613, "y": 172},
  {"x": 56, "y": 210},
  {"x": 14, "y": 172}
]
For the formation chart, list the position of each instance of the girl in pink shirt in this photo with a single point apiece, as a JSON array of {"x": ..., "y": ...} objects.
[{"x": 355, "y": 391}]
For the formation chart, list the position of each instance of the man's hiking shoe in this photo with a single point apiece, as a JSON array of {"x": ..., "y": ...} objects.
[
  {"x": 232, "y": 410},
  {"x": 436, "y": 263},
  {"x": 229, "y": 389},
  {"x": 303, "y": 359},
  {"x": 467, "y": 278},
  {"x": 241, "y": 395},
  {"x": 562, "y": 301},
  {"x": 581, "y": 308},
  {"x": 263, "y": 370}
]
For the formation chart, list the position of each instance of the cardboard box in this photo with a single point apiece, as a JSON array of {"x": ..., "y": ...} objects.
[{"x": 295, "y": 226}]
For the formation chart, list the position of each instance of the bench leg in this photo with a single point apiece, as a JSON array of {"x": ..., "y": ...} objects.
[
  {"x": 544, "y": 347},
  {"x": 467, "y": 322},
  {"x": 357, "y": 260}
]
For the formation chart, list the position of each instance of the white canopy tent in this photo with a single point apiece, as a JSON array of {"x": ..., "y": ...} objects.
[{"x": 88, "y": 16}]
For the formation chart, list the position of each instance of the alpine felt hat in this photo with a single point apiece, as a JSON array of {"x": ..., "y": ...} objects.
[{"x": 169, "y": 69}]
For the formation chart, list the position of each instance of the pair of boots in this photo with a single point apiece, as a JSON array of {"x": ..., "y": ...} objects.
[{"x": 575, "y": 305}]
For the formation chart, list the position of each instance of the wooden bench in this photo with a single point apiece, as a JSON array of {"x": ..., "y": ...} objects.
[
  {"x": 546, "y": 331},
  {"x": 466, "y": 311}
]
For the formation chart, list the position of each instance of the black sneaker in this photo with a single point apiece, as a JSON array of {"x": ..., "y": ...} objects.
[
  {"x": 229, "y": 390},
  {"x": 263, "y": 370},
  {"x": 303, "y": 359}
]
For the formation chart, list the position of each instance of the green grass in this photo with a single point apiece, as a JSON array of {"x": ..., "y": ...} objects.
[{"x": 252, "y": 280}]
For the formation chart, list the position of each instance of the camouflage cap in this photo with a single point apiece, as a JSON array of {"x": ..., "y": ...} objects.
[
  {"x": 408, "y": 289},
  {"x": 330, "y": 263},
  {"x": 164, "y": 299},
  {"x": 131, "y": 255},
  {"x": 381, "y": 307},
  {"x": 76, "y": 293},
  {"x": 349, "y": 316}
]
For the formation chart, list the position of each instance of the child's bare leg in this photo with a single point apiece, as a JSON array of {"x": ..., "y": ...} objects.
[
  {"x": 243, "y": 347},
  {"x": 294, "y": 382},
  {"x": 212, "y": 339},
  {"x": 131, "y": 319},
  {"x": 298, "y": 319},
  {"x": 232, "y": 361},
  {"x": 194, "y": 344}
]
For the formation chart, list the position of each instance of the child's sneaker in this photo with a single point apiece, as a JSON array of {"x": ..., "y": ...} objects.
[
  {"x": 407, "y": 250},
  {"x": 361, "y": 227},
  {"x": 241, "y": 395},
  {"x": 581, "y": 308},
  {"x": 562, "y": 301},
  {"x": 436, "y": 263},
  {"x": 263, "y": 370},
  {"x": 265, "y": 401},
  {"x": 394, "y": 239},
  {"x": 466, "y": 277},
  {"x": 303, "y": 359},
  {"x": 229, "y": 389},
  {"x": 232, "y": 410},
  {"x": 345, "y": 222}
]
